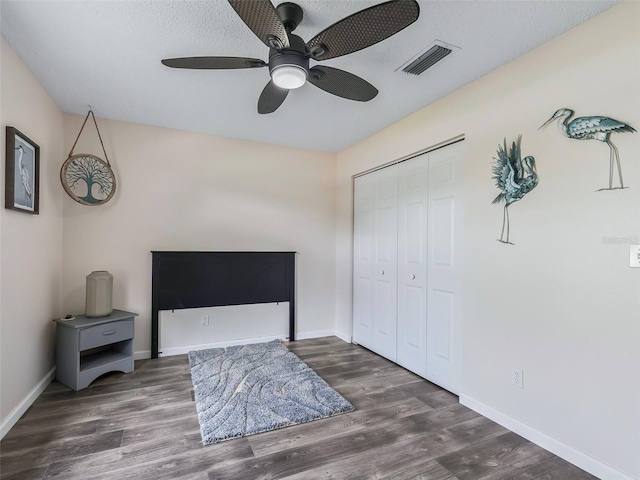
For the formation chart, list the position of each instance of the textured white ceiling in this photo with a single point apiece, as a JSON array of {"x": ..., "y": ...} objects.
[{"x": 107, "y": 54}]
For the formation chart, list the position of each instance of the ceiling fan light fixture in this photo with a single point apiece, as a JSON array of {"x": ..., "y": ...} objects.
[
  {"x": 289, "y": 54},
  {"x": 289, "y": 76}
]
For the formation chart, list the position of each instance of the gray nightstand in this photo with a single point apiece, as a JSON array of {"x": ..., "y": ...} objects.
[{"x": 90, "y": 347}]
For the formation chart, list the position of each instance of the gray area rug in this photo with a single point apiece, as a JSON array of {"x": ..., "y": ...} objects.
[{"x": 250, "y": 389}]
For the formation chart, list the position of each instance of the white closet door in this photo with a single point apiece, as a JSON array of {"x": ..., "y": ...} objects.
[
  {"x": 385, "y": 264},
  {"x": 412, "y": 264},
  {"x": 363, "y": 201},
  {"x": 444, "y": 297}
]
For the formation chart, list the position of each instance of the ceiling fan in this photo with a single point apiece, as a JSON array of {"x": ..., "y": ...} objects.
[{"x": 289, "y": 55}]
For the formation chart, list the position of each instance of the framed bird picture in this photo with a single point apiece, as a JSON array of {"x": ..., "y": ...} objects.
[{"x": 22, "y": 173}]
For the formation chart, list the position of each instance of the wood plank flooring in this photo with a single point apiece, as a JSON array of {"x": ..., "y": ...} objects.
[{"x": 144, "y": 426}]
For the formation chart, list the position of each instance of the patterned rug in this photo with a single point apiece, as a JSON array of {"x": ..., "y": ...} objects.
[{"x": 250, "y": 389}]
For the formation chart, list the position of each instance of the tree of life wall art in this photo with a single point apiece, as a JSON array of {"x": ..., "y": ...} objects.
[{"x": 88, "y": 179}]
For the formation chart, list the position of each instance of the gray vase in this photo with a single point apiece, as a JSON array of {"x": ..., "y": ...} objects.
[{"x": 99, "y": 294}]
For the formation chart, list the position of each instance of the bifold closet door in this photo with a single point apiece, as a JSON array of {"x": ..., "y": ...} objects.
[
  {"x": 385, "y": 262},
  {"x": 444, "y": 271},
  {"x": 407, "y": 303},
  {"x": 363, "y": 238},
  {"x": 412, "y": 264},
  {"x": 375, "y": 261}
]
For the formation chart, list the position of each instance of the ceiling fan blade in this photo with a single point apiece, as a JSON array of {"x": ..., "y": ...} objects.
[
  {"x": 261, "y": 17},
  {"x": 363, "y": 29},
  {"x": 271, "y": 98},
  {"x": 213, "y": 63},
  {"x": 341, "y": 83}
]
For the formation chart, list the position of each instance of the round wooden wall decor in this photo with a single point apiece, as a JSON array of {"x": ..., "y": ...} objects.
[{"x": 88, "y": 179}]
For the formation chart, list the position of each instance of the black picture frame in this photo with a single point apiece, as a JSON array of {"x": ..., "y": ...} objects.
[{"x": 22, "y": 173}]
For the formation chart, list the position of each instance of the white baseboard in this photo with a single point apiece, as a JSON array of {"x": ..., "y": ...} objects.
[
  {"x": 15, "y": 414},
  {"x": 167, "y": 352},
  {"x": 142, "y": 355},
  {"x": 562, "y": 450},
  {"x": 316, "y": 334},
  {"x": 342, "y": 336},
  {"x": 324, "y": 333}
]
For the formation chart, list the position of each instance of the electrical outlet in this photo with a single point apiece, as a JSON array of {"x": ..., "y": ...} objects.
[
  {"x": 517, "y": 378},
  {"x": 205, "y": 320}
]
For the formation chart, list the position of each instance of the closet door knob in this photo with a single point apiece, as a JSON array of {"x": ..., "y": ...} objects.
[
  {"x": 413, "y": 277},
  {"x": 382, "y": 272}
]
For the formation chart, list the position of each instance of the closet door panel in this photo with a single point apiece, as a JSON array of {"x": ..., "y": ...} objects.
[
  {"x": 443, "y": 232},
  {"x": 412, "y": 265},
  {"x": 363, "y": 282},
  {"x": 443, "y": 321},
  {"x": 385, "y": 261},
  {"x": 444, "y": 297}
]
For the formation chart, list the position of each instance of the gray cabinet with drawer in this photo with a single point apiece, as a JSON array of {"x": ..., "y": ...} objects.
[{"x": 90, "y": 347}]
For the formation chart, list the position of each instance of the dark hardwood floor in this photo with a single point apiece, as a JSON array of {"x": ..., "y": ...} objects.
[{"x": 144, "y": 426}]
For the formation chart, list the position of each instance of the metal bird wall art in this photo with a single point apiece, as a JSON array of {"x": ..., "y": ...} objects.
[
  {"x": 515, "y": 177},
  {"x": 592, "y": 128}
]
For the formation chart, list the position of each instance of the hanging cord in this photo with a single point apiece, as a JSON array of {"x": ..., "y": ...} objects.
[{"x": 97, "y": 130}]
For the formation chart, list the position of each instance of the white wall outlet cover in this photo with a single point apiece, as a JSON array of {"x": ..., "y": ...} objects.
[
  {"x": 634, "y": 256},
  {"x": 517, "y": 377}
]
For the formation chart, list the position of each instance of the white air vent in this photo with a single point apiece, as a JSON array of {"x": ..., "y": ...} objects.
[{"x": 427, "y": 57}]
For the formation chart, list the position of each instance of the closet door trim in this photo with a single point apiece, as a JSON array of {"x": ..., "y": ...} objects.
[{"x": 437, "y": 146}]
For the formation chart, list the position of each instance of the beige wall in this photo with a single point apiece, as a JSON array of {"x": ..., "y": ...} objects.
[
  {"x": 188, "y": 191},
  {"x": 30, "y": 245},
  {"x": 562, "y": 304}
]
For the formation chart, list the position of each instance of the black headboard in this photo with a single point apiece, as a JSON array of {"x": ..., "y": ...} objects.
[{"x": 213, "y": 279}]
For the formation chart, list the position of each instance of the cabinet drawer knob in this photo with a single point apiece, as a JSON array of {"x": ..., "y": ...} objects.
[
  {"x": 109, "y": 332},
  {"x": 382, "y": 272},
  {"x": 413, "y": 277}
]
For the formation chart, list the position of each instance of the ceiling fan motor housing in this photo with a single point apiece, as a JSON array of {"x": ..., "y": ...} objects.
[{"x": 294, "y": 56}]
